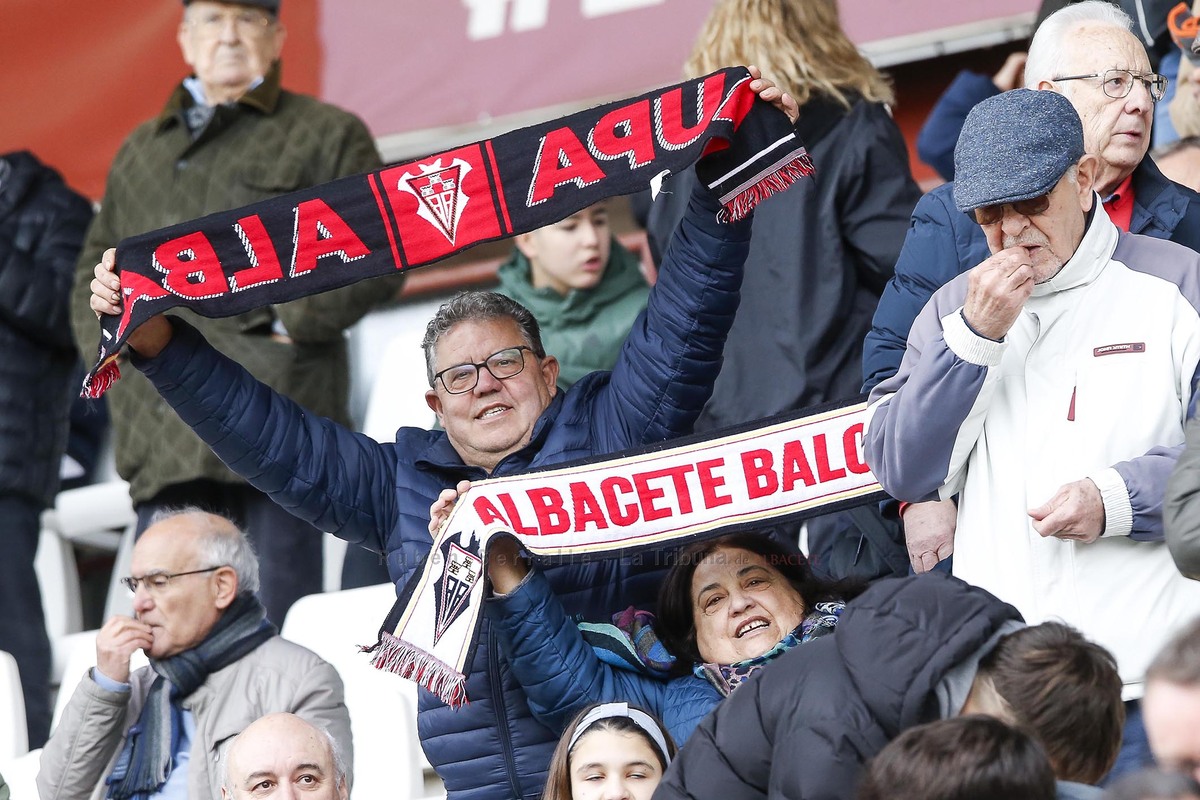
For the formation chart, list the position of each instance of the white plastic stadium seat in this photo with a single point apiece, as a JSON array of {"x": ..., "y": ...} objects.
[
  {"x": 14, "y": 740},
  {"x": 387, "y": 756},
  {"x": 58, "y": 578}
]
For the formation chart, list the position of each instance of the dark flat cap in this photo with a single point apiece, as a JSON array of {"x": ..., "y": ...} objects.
[
  {"x": 265, "y": 5},
  {"x": 1014, "y": 146}
]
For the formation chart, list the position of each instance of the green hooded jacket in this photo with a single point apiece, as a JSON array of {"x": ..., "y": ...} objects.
[{"x": 583, "y": 329}]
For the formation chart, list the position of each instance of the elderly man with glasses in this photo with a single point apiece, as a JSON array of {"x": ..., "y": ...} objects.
[
  {"x": 1087, "y": 53},
  {"x": 1048, "y": 387},
  {"x": 216, "y": 665},
  {"x": 230, "y": 135}
]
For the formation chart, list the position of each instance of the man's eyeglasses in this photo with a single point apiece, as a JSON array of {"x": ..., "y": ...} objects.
[
  {"x": 158, "y": 581},
  {"x": 990, "y": 215},
  {"x": 248, "y": 22},
  {"x": 1118, "y": 83},
  {"x": 462, "y": 378}
]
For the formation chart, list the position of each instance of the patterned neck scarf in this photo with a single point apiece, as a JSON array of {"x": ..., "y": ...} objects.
[{"x": 821, "y": 621}]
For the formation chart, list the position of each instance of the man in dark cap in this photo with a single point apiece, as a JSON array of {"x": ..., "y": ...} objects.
[
  {"x": 1048, "y": 387},
  {"x": 231, "y": 135}
]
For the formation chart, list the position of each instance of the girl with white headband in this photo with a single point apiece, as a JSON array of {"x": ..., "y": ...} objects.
[{"x": 610, "y": 750}]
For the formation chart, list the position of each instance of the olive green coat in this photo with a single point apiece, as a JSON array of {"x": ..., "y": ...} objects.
[{"x": 269, "y": 142}]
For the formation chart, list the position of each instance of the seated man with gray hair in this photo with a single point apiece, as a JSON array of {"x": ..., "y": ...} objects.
[
  {"x": 1048, "y": 388},
  {"x": 282, "y": 755},
  {"x": 216, "y": 665}
]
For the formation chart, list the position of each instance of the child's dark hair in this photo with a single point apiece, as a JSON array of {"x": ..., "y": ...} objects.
[{"x": 964, "y": 758}]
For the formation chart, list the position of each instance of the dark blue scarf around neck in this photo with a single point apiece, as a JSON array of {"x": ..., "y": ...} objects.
[{"x": 147, "y": 758}]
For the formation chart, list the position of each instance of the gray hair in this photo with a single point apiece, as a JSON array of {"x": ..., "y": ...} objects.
[
  {"x": 478, "y": 306},
  {"x": 335, "y": 750},
  {"x": 1047, "y": 50},
  {"x": 219, "y": 542},
  {"x": 1178, "y": 661}
]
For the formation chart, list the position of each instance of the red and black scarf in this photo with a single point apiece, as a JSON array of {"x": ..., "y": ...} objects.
[{"x": 422, "y": 211}]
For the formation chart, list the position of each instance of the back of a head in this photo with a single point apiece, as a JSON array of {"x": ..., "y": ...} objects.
[
  {"x": 1066, "y": 692},
  {"x": 962, "y": 758},
  {"x": 1047, "y": 49},
  {"x": 799, "y": 44}
]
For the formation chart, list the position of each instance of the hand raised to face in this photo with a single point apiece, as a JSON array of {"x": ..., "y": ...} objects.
[{"x": 997, "y": 291}]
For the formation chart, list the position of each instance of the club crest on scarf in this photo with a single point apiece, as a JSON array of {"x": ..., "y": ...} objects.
[
  {"x": 416, "y": 213},
  {"x": 440, "y": 198},
  {"x": 796, "y": 465},
  {"x": 453, "y": 588}
]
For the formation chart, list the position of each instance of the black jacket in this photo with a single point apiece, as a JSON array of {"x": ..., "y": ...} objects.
[
  {"x": 820, "y": 255},
  {"x": 805, "y": 726},
  {"x": 42, "y": 223}
]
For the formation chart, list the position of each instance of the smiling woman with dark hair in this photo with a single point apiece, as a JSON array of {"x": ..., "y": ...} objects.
[{"x": 729, "y": 606}]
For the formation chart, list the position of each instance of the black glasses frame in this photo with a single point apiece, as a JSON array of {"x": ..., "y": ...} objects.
[{"x": 484, "y": 365}]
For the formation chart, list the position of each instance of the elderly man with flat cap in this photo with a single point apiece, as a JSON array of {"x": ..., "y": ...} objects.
[
  {"x": 1048, "y": 388},
  {"x": 230, "y": 135}
]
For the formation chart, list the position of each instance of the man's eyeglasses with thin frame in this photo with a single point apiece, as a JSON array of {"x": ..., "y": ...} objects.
[
  {"x": 158, "y": 581},
  {"x": 462, "y": 378},
  {"x": 1118, "y": 83}
]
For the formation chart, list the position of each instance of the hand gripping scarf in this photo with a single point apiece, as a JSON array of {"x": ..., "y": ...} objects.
[
  {"x": 798, "y": 465},
  {"x": 416, "y": 213}
]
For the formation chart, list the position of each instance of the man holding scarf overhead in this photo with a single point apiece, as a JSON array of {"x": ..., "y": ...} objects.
[
  {"x": 216, "y": 665},
  {"x": 493, "y": 388}
]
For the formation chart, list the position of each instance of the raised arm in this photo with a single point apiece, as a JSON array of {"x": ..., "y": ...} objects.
[{"x": 558, "y": 670}]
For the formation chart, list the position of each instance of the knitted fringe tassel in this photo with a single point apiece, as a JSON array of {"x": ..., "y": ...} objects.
[
  {"x": 401, "y": 658},
  {"x": 106, "y": 375},
  {"x": 769, "y": 182}
]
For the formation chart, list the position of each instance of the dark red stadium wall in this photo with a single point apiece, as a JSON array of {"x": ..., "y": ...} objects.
[{"x": 77, "y": 76}]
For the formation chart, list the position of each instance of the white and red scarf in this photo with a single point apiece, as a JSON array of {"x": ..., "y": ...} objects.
[{"x": 792, "y": 466}]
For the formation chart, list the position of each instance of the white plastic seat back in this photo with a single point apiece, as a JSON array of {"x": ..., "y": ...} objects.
[
  {"x": 387, "y": 760},
  {"x": 58, "y": 578},
  {"x": 14, "y": 740}
]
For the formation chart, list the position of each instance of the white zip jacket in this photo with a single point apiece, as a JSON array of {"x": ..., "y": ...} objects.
[{"x": 1092, "y": 381}]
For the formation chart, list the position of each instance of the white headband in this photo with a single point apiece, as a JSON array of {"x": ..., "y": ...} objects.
[{"x": 635, "y": 715}]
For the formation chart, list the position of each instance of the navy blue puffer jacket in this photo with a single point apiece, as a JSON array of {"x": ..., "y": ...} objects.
[{"x": 379, "y": 495}]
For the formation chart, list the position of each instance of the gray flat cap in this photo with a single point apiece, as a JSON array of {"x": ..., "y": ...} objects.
[{"x": 1014, "y": 146}]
